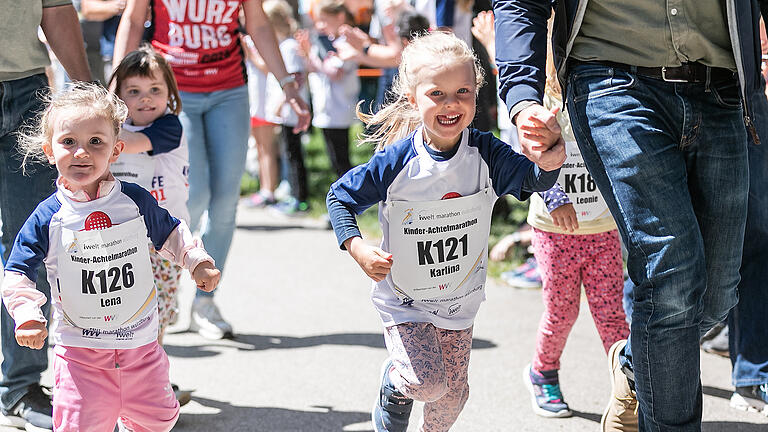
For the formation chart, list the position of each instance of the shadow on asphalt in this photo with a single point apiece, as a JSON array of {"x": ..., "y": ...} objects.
[
  {"x": 232, "y": 418},
  {"x": 717, "y": 392},
  {"x": 724, "y": 426},
  {"x": 587, "y": 416},
  {"x": 255, "y": 342},
  {"x": 268, "y": 228}
]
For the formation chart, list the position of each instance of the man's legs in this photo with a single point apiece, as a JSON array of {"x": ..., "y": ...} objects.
[
  {"x": 19, "y": 195},
  {"x": 746, "y": 323},
  {"x": 670, "y": 159}
]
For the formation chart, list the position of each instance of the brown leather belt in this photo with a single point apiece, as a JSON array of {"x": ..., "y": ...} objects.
[{"x": 688, "y": 72}]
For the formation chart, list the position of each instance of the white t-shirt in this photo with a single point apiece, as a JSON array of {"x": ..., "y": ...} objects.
[
  {"x": 334, "y": 101},
  {"x": 257, "y": 90},
  {"x": 168, "y": 181}
]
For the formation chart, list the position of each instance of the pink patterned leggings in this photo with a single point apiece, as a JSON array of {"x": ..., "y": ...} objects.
[
  {"x": 430, "y": 365},
  {"x": 565, "y": 262}
]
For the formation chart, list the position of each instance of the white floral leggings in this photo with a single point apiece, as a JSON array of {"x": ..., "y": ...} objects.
[
  {"x": 167, "y": 279},
  {"x": 430, "y": 365}
]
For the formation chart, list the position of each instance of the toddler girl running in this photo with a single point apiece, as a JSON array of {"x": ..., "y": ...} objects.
[
  {"x": 91, "y": 235},
  {"x": 435, "y": 181},
  {"x": 575, "y": 243},
  {"x": 155, "y": 156}
]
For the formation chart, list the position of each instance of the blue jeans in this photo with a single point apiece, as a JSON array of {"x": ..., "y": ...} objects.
[
  {"x": 671, "y": 161},
  {"x": 216, "y": 126},
  {"x": 19, "y": 195},
  {"x": 747, "y": 328}
]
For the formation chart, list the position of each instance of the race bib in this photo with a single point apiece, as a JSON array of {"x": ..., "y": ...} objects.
[
  {"x": 437, "y": 246},
  {"x": 136, "y": 168},
  {"x": 105, "y": 276},
  {"x": 578, "y": 184}
]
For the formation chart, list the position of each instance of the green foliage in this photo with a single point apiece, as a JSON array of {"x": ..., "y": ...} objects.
[{"x": 508, "y": 215}]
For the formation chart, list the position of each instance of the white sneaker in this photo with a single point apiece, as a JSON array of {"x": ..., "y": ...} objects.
[{"x": 207, "y": 321}]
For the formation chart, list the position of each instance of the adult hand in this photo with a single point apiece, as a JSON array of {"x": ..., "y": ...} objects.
[
  {"x": 298, "y": 105},
  {"x": 354, "y": 36},
  {"x": 31, "y": 334},
  {"x": 539, "y": 135}
]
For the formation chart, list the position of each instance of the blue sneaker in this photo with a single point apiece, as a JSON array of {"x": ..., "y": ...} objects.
[
  {"x": 546, "y": 398},
  {"x": 751, "y": 398},
  {"x": 391, "y": 412}
]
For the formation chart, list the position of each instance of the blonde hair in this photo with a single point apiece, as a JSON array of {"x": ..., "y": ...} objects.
[
  {"x": 397, "y": 119},
  {"x": 280, "y": 15},
  {"x": 85, "y": 97},
  {"x": 144, "y": 62}
]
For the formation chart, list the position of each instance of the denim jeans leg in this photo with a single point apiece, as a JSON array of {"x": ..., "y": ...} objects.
[
  {"x": 19, "y": 195},
  {"x": 219, "y": 155},
  {"x": 748, "y": 332},
  {"x": 668, "y": 159}
]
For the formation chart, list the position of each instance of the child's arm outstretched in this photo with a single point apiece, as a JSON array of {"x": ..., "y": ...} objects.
[
  {"x": 374, "y": 261},
  {"x": 162, "y": 136}
]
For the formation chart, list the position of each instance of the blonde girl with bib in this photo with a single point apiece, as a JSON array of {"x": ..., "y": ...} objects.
[
  {"x": 435, "y": 181},
  {"x": 91, "y": 235}
]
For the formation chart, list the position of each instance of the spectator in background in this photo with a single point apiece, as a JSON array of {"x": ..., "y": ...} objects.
[
  {"x": 23, "y": 87},
  {"x": 215, "y": 115},
  {"x": 98, "y": 20}
]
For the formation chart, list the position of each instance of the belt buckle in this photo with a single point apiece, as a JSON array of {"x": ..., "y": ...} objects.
[{"x": 664, "y": 76}]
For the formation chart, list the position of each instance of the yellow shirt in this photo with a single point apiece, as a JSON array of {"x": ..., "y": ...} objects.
[{"x": 575, "y": 181}]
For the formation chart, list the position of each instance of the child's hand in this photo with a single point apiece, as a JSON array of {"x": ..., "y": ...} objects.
[
  {"x": 540, "y": 138},
  {"x": 564, "y": 217},
  {"x": 31, "y": 334},
  {"x": 375, "y": 262},
  {"x": 305, "y": 45},
  {"x": 206, "y": 276}
]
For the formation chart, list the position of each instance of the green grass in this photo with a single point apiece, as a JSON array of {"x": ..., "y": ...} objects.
[{"x": 320, "y": 176}]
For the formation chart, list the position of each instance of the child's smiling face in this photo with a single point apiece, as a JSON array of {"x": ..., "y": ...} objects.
[
  {"x": 83, "y": 145},
  {"x": 445, "y": 98},
  {"x": 146, "y": 97}
]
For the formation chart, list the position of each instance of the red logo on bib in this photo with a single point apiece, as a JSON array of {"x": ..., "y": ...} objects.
[
  {"x": 450, "y": 195},
  {"x": 97, "y": 221}
]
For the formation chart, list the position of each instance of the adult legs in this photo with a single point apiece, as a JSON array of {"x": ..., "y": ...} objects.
[
  {"x": 19, "y": 195},
  {"x": 337, "y": 145},
  {"x": 297, "y": 172},
  {"x": 748, "y": 333},
  {"x": 670, "y": 160}
]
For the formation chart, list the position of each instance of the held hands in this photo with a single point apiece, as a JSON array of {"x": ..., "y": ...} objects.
[
  {"x": 206, "y": 276},
  {"x": 539, "y": 136},
  {"x": 564, "y": 217},
  {"x": 375, "y": 262},
  {"x": 32, "y": 334}
]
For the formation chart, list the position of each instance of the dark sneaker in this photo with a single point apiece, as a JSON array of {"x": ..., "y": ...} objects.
[
  {"x": 32, "y": 412},
  {"x": 718, "y": 344},
  {"x": 751, "y": 398},
  {"x": 291, "y": 207},
  {"x": 183, "y": 396},
  {"x": 546, "y": 398},
  {"x": 391, "y": 412}
]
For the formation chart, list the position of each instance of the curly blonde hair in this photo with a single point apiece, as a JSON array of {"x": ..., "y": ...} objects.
[
  {"x": 397, "y": 119},
  {"x": 88, "y": 98}
]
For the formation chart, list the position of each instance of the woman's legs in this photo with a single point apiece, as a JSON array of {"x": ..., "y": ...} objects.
[{"x": 267, "y": 150}]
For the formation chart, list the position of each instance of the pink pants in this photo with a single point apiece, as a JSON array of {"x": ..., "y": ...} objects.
[
  {"x": 566, "y": 262},
  {"x": 430, "y": 365},
  {"x": 94, "y": 387}
]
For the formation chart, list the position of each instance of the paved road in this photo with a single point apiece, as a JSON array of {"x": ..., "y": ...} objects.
[{"x": 309, "y": 349}]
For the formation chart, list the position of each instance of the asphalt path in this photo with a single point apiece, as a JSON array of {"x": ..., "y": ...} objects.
[{"x": 309, "y": 348}]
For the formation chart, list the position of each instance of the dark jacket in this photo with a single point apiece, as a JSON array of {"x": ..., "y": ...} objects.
[{"x": 521, "y": 52}]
